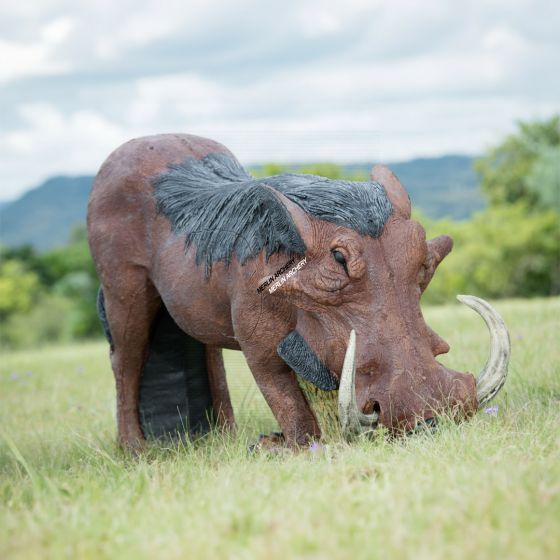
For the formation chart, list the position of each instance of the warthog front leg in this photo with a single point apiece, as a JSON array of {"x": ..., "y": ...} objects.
[{"x": 281, "y": 391}]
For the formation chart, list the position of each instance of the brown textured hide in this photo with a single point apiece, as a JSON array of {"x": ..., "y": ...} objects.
[{"x": 141, "y": 263}]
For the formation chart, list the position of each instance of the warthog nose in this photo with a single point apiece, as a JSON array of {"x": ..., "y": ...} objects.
[
  {"x": 428, "y": 425},
  {"x": 371, "y": 406}
]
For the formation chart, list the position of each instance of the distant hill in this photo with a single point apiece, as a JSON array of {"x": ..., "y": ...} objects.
[
  {"x": 44, "y": 216},
  {"x": 444, "y": 187}
]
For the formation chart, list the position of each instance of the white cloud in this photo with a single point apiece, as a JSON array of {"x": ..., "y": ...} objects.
[
  {"x": 131, "y": 24},
  {"x": 319, "y": 17},
  {"x": 51, "y": 143},
  {"x": 57, "y": 31},
  {"x": 340, "y": 79},
  {"x": 383, "y": 133},
  {"x": 166, "y": 99},
  {"x": 22, "y": 59}
]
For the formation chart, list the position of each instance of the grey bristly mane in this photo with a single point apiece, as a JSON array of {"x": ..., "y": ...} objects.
[
  {"x": 295, "y": 351},
  {"x": 224, "y": 211}
]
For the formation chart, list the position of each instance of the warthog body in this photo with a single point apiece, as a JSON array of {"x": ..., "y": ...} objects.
[{"x": 187, "y": 246}]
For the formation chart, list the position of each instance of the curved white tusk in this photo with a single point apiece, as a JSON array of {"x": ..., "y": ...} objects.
[
  {"x": 493, "y": 375},
  {"x": 352, "y": 420}
]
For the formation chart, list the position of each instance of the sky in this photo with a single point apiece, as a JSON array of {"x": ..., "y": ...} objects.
[{"x": 291, "y": 81}]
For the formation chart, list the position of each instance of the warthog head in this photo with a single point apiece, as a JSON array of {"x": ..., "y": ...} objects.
[{"x": 359, "y": 322}]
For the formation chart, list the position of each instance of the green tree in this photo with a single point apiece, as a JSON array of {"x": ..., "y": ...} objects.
[
  {"x": 323, "y": 169},
  {"x": 504, "y": 251},
  {"x": 48, "y": 296},
  {"x": 269, "y": 169},
  {"x": 544, "y": 179},
  {"x": 73, "y": 257},
  {"x": 50, "y": 319},
  {"x": 73, "y": 276},
  {"x": 330, "y": 170},
  {"x": 19, "y": 288},
  {"x": 523, "y": 166}
]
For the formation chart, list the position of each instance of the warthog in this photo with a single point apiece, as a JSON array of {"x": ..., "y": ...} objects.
[{"x": 187, "y": 246}]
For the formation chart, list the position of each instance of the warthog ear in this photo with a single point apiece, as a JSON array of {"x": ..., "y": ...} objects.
[
  {"x": 438, "y": 248},
  {"x": 290, "y": 284},
  {"x": 393, "y": 187},
  {"x": 299, "y": 216}
]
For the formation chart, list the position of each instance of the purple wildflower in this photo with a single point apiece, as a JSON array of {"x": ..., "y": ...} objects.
[
  {"x": 493, "y": 410},
  {"x": 315, "y": 447}
]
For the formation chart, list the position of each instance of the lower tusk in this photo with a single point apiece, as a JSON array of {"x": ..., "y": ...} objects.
[
  {"x": 352, "y": 420},
  {"x": 493, "y": 375}
]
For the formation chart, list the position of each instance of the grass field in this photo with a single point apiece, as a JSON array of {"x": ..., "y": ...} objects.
[{"x": 489, "y": 488}]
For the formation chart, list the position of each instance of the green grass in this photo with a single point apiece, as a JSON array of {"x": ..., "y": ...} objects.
[{"x": 489, "y": 488}]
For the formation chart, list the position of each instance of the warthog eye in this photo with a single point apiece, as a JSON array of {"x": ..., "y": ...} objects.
[{"x": 339, "y": 258}]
